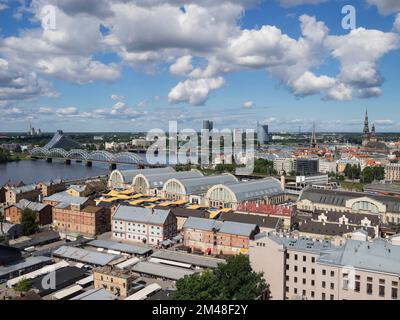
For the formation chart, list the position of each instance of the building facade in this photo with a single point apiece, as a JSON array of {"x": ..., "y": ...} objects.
[
  {"x": 44, "y": 212},
  {"x": 305, "y": 268},
  {"x": 137, "y": 224},
  {"x": 47, "y": 188},
  {"x": 392, "y": 172},
  {"x": 15, "y": 194},
  {"x": 218, "y": 237},
  {"x": 117, "y": 281}
]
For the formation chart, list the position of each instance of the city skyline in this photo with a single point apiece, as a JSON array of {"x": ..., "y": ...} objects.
[{"x": 283, "y": 63}]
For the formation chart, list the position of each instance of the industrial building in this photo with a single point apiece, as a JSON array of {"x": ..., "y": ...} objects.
[
  {"x": 192, "y": 189},
  {"x": 123, "y": 178},
  {"x": 264, "y": 191}
]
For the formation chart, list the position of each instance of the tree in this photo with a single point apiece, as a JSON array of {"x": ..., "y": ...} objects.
[
  {"x": 29, "y": 222},
  {"x": 23, "y": 286},
  {"x": 239, "y": 281},
  {"x": 198, "y": 286},
  {"x": 230, "y": 281}
]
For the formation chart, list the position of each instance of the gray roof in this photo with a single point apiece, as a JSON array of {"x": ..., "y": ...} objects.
[
  {"x": 64, "y": 197},
  {"x": 160, "y": 270},
  {"x": 241, "y": 229},
  {"x": 35, "y": 206},
  {"x": 202, "y": 184},
  {"x": 158, "y": 180},
  {"x": 256, "y": 189},
  {"x": 339, "y": 198},
  {"x": 95, "y": 294},
  {"x": 201, "y": 224},
  {"x": 23, "y": 189},
  {"x": 128, "y": 175},
  {"x": 78, "y": 188},
  {"x": 183, "y": 257},
  {"x": 52, "y": 182},
  {"x": 127, "y": 248},
  {"x": 85, "y": 256},
  {"x": 28, "y": 262},
  {"x": 298, "y": 243},
  {"x": 264, "y": 221},
  {"x": 140, "y": 214},
  {"x": 378, "y": 255}
]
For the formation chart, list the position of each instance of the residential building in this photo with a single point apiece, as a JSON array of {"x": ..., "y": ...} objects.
[
  {"x": 89, "y": 220},
  {"x": 15, "y": 194},
  {"x": 43, "y": 211},
  {"x": 218, "y": 237},
  {"x": 138, "y": 224},
  {"x": 392, "y": 172},
  {"x": 312, "y": 269},
  {"x": 78, "y": 190},
  {"x": 117, "y": 281},
  {"x": 327, "y": 166},
  {"x": 284, "y": 165}
]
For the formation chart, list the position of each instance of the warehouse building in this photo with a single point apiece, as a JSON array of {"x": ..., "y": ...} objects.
[
  {"x": 121, "y": 179},
  {"x": 151, "y": 183},
  {"x": 192, "y": 189},
  {"x": 138, "y": 224},
  {"x": 264, "y": 191}
]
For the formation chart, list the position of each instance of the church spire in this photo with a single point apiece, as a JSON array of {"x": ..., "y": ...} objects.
[{"x": 366, "y": 123}]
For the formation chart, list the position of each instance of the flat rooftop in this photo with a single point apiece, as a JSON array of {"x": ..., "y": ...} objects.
[
  {"x": 85, "y": 256},
  {"x": 122, "y": 247},
  {"x": 192, "y": 259},
  {"x": 161, "y": 271}
]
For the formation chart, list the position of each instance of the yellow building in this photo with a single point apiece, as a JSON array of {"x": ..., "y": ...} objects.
[{"x": 117, "y": 281}]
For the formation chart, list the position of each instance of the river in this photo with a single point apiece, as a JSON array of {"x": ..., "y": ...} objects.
[{"x": 32, "y": 171}]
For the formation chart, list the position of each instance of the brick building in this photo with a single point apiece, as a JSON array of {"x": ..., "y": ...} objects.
[
  {"x": 15, "y": 194},
  {"x": 44, "y": 212},
  {"x": 47, "y": 188},
  {"x": 116, "y": 281}
]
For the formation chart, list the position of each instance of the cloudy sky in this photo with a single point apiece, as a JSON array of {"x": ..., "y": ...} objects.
[{"x": 132, "y": 65}]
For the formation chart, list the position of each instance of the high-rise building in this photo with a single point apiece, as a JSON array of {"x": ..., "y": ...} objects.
[
  {"x": 262, "y": 134},
  {"x": 208, "y": 125}
]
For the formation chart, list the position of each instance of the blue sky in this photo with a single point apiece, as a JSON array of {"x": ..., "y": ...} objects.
[{"x": 113, "y": 65}]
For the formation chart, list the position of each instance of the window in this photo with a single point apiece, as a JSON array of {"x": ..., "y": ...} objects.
[
  {"x": 304, "y": 269},
  {"x": 287, "y": 267},
  {"x": 332, "y": 297},
  {"x": 345, "y": 284},
  {"x": 304, "y": 281},
  {"x": 332, "y": 286},
  {"x": 312, "y": 294},
  {"x": 323, "y": 272},
  {"x": 304, "y": 258},
  {"x": 287, "y": 289},
  {"x": 312, "y": 271},
  {"x": 357, "y": 286},
  {"x": 394, "y": 293},
  {"x": 295, "y": 257},
  {"x": 381, "y": 291},
  {"x": 332, "y": 273},
  {"x": 304, "y": 293},
  {"x": 295, "y": 268},
  {"x": 295, "y": 290},
  {"x": 323, "y": 296},
  {"x": 287, "y": 278},
  {"x": 313, "y": 282},
  {"x": 369, "y": 279},
  {"x": 369, "y": 288},
  {"x": 313, "y": 259},
  {"x": 295, "y": 279},
  {"x": 323, "y": 284},
  {"x": 287, "y": 255}
]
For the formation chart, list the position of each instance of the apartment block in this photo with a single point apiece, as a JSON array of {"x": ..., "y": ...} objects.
[
  {"x": 305, "y": 268},
  {"x": 392, "y": 172}
]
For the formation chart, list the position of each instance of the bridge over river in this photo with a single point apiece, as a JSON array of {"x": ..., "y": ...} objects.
[{"x": 88, "y": 157}]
